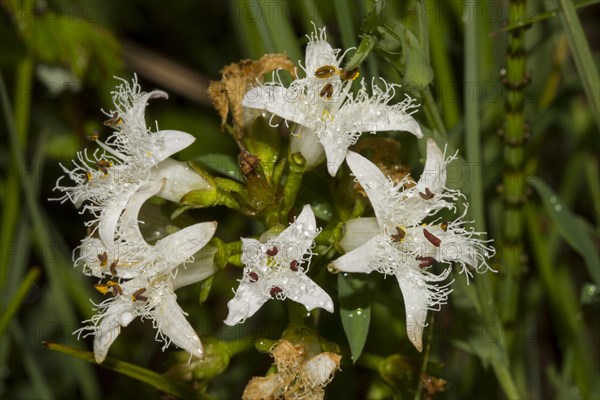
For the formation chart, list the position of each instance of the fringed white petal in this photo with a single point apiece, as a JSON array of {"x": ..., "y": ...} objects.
[
  {"x": 171, "y": 323},
  {"x": 246, "y": 302},
  {"x": 178, "y": 247},
  {"x": 198, "y": 270},
  {"x": 373, "y": 181},
  {"x": 308, "y": 293},
  {"x": 359, "y": 259},
  {"x": 306, "y": 143},
  {"x": 181, "y": 179},
  {"x": 166, "y": 143},
  {"x": 359, "y": 231}
]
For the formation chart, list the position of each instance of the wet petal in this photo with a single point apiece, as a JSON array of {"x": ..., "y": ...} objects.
[
  {"x": 359, "y": 259},
  {"x": 246, "y": 302},
  {"x": 304, "y": 291}
]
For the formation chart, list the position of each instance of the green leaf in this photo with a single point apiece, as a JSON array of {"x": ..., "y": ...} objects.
[
  {"x": 570, "y": 227},
  {"x": 141, "y": 374},
  {"x": 355, "y": 310},
  {"x": 398, "y": 45},
  {"x": 222, "y": 164},
  {"x": 580, "y": 49}
]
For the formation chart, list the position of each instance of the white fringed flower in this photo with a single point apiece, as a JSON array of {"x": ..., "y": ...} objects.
[
  {"x": 132, "y": 155},
  {"x": 325, "y": 110},
  {"x": 277, "y": 269},
  {"x": 395, "y": 243},
  {"x": 143, "y": 277}
]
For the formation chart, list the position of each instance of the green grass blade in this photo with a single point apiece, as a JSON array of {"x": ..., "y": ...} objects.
[
  {"x": 582, "y": 55},
  {"x": 158, "y": 381},
  {"x": 570, "y": 228},
  {"x": 280, "y": 30},
  {"x": 17, "y": 300}
]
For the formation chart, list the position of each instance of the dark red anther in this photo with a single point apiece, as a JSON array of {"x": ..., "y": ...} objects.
[
  {"x": 428, "y": 195},
  {"x": 113, "y": 268},
  {"x": 272, "y": 251},
  {"x": 426, "y": 261},
  {"x": 103, "y": 258},
  {"x": 137, "y": 295},
  {"x": 253, "y": 276},
  {"x": 117, "y": 290},
  {"x": 294, "y": 265},
  {"x": 432, "y": 238},
  {"x": 275, "y": 290}
]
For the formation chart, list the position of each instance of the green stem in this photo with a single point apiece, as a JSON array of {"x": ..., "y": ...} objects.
[
  {"x": 472, "y": 126},
  {"x": 514, "y": 180},
  {"x": 432, "y": 114},
  {"x": 291, "y": 185}
]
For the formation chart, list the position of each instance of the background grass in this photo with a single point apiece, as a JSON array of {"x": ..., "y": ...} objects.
[{"x": 529, "y": 331}]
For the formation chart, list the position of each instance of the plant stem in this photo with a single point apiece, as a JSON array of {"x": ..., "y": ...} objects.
[{"x": 514, "y": 185}]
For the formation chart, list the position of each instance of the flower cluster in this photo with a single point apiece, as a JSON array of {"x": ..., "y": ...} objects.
[
  {"x": 410, "y": 236},
  {"x": 112, "y": 185}
]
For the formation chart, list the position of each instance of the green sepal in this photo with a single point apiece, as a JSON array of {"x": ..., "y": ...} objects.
[
  {"x": 264, "y": 141},
  {"x": 398, "y": 45}
]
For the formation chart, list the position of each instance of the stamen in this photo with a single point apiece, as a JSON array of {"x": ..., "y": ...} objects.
[
  {"x": 399, "y": 237},
  {"x": 428, "y": 195},
  {"x": 253, "y": 276},
  {"x": 444, "y": 226},
  {"x": 137, "y": 295},
  {"x": 275, "y": 290},
  {"x": 294, "y": 265},
  {"x": 349, "y": 75},
  {"x": 325, "y": 71},
  {"x": 103, "y": 258},
  {"x": 426, "y": 261},
  {"x": 327, "y": 91},
  {"x": 113, "y": 267},
  {"x": 272, "y": 251},
  {"x": 114, "y": 121},
  {"x": 103, "y": 166},
  {"x": 432, "y": 238}
]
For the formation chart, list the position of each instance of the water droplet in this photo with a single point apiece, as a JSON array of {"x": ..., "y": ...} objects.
[{"x": 557, "y": 208}]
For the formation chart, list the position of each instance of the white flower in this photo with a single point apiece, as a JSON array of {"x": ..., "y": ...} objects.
[
  {"x": 324, "y": 109},
  {"x": 395, "y": 243},
  {"x": 143, "y": 277},
  {"x": 276, "y": 269},
  {"x": 131, "y": 156}
]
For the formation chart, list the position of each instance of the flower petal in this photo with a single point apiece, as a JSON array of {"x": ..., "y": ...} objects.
[
  {"x": 166, "y": 143},
  {"x": 247, "y": 300},
  {"x": 129, "y": 229},
  {"x": 416, "y": 298},
  {"x": 181, "y": 179},
  {"x": 288, "y": 103},
  {"x": 306, "y": 143},
  {"x": 372, "y": 180},
  {"x": 434, "y": 174},
  {"x": 171, "y": 322},
  {"x": 319, "y": 53},
  {"x": 178, "y": 247},
  {"x": 359, "y": 259},
  {"x": 336, "y": 147},
  {"x": 369, "y": 116},
  {"x": 298, "y": 238},
  {"x": 109, "y": 219},
  {"x": 304, "y": 291},
  {"x": 119, "y": 314},
  {"x": 358, "y": 231},
  {"x": 201, "y": 268}
]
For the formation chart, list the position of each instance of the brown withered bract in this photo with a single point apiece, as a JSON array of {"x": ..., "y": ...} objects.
[
  {"x": 248, "y": 163},
  {"x": 386, "y": 155},
  {"x": 432, "y": 385},
  {"x": 236, "y": 79},
  {"x": 298, "y": 376}
]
